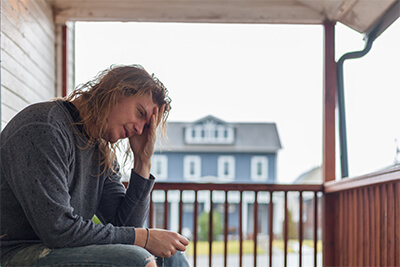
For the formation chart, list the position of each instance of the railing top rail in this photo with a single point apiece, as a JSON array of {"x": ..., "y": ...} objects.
[
  {"x": 238, "y": 187},
  {"x": 389, "y": 175}
]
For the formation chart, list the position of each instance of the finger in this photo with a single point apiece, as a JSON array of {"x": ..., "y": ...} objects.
[
  {"x": 153, "y": 125},
  {"x": 180, "y": 247},
  {"x": 173, "y": 251},
  {"x": 184, "y": 240},
  {"x": 153, "y": 118},
  {"x": 160, "y": 114}
]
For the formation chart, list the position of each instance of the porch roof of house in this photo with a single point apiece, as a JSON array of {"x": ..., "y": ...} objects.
[{"x": 359, "y": 15}]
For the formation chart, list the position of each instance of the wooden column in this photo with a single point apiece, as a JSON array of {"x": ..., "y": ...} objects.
[
  {"x": 64, "y": 66},
  {"x": 328, "y": 166}
]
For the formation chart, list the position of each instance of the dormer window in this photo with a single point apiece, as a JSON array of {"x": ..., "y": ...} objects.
[{"x": 209, "y": 131}]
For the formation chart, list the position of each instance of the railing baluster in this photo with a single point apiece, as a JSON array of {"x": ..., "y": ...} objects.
[
  {"x": 210, "y": 230},
  {"x": 352, "y": 228},
  {"x": 367, "y": 228},
  {"x": 391, "y": 226},
  {"x": 384, "y": 225},
  {"x": 285, "y": 230},
  {"x": 315, "y": 227},
  {"x": 195, "y": 229},
  {"x": 378, "y": 226},
  {"x": 226, "y": 229},
  {"x": 391, "y": 233},
  {"x": 300, "y": 228},
  {"x": 166, "y": 210},
  {"x": 255, "y": 227},
  {"x": 373, "y": 227},
  {"x": 180, "y": 211},
  {"x": 240, "y": 229},
  {"x": 360, "y": 228},
  {"x": 270, "y": 226},
  {"x": 397, "y": 222},
  {"x": 347, "y": 225},
  {"x": 151, "y": 211}
]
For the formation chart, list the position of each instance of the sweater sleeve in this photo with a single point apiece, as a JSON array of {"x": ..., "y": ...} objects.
[
  {"x": 126, "y": 207},
  {"x": 38, "y": 157}
]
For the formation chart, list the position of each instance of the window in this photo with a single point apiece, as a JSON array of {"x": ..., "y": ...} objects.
[
  {"x": 226, "y": 167},
  {"x": 159, "y": 167},
  {"x": 209, "y": 132},
  {"x": 259, "y": 168},
  {"x": 192, "y": 167}
]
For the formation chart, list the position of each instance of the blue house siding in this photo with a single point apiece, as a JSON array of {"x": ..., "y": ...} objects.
[
  {"x": 175, "y": 167},
  {"x": 209, "y": 165}
]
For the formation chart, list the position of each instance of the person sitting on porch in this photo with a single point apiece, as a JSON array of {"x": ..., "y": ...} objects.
[{"x": 58, "y": 169}]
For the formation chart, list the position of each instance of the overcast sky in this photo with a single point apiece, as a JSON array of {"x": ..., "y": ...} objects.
[{"x": 261, "y": 73}]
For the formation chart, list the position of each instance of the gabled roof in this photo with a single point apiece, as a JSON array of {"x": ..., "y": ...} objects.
[
  {"x": 209, "y": 117},
  {"x": 312, "y": 176},
  {"x": 249, "y": 138}
]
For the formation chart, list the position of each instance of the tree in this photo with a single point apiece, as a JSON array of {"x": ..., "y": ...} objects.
[{"x": 204, "y": 219}]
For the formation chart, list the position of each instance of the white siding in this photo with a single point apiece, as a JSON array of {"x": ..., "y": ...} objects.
[{"x": 27, "y": 55}]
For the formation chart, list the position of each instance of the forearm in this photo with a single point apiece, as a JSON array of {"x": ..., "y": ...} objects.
[{"x": 129, "y": 207}]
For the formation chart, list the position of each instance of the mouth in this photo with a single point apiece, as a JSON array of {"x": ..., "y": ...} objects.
[{"x": 126, "y": 132}]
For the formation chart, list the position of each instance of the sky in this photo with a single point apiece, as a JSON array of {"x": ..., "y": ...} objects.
[{"x": 261, "y": 73}]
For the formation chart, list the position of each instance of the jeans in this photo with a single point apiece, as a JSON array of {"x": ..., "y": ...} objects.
[{"x": 116, "y": 255}]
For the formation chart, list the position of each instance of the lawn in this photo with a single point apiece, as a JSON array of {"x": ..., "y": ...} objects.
[
  {"x": 218, "y": 247},
  {"x": 248, "y": 247}
]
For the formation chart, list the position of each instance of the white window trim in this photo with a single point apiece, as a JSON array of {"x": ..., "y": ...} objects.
[
  {"x": 186, "y": 167},
  {"x": 163, "y": 159},
  {"x": 231, "y": 163},
  {"x": 254, "y": 162},
  {"x": 209, "y": 129}
]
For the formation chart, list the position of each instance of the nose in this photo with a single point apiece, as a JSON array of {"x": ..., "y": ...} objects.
[{"x": 139, "y": 128}]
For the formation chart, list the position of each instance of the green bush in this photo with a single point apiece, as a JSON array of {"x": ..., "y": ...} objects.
[{"x": 204, "y": 224}]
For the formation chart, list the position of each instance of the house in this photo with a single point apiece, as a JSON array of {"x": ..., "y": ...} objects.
[
  {"x": 312, "y": 176},
  {"x": 210, "y": 150}
]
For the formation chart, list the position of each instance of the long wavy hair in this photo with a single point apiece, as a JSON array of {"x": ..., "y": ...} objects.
[{"x": 98, "y": 96}]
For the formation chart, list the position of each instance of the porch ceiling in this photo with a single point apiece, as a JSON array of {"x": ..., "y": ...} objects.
[{"x": 359, "y": 15}]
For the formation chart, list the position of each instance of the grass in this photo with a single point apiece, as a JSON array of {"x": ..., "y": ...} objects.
[
  {"x": 218, "y": 247},
  {"x": 248, "y": 247},
  {"x": 310, "y": 243}
]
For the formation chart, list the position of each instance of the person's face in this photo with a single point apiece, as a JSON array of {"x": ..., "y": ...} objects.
[{"x": 129, "y": 117}]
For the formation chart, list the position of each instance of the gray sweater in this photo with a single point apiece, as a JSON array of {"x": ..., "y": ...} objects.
[{"x": 50, "y": 187}]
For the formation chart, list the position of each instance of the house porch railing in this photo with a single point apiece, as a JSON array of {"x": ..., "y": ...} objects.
[
  {"x": 261, "y": 192},
  {"x": 367, "y": 219}
]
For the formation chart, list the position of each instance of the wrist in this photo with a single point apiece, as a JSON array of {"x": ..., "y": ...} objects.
[
  {"x": 147, "y": 238},
  {"x": 142, "y": 168},
  {"x": 140, "y": 237}
]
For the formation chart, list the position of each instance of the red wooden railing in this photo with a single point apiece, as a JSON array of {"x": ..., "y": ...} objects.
[
  {"x": 367, "y": 223},
  {"x": 256, "y": 188},
  {"x": 366, "y": 220}
]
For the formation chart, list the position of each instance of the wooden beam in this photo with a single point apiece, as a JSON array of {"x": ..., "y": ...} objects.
[
  {"x": 328, "y": 166},
  {"x": 64, "y": 61}
]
